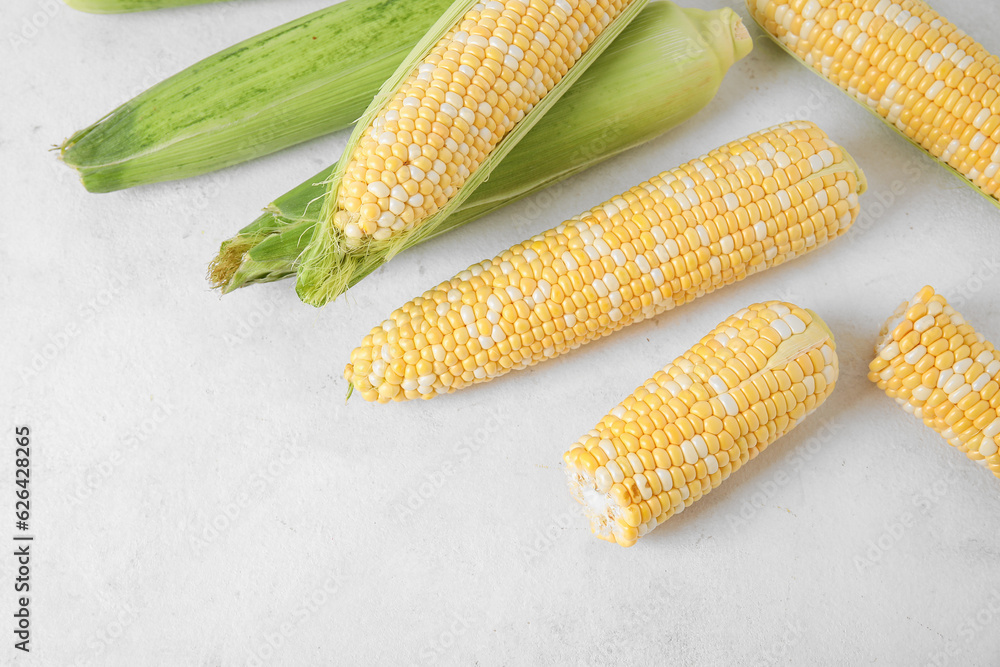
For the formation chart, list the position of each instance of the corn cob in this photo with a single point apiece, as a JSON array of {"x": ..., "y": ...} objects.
[
  {"x": 287, "y": 85},
  {"x": 635, "y": 91},
  {"x": 470, "y": 90},
  {"x": 939, "y": 369},
  {"x": 686, "y": 429},
  {"x": 754, "y": 203},
  {"x": 121, "y": 6},
  {"x": 910, "y": 66}
]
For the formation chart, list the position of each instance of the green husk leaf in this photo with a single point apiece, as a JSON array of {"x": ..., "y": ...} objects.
[
  {"x": 682, "y": 56},
  {"x": 122, "y": 6},
  {"x": 329, "y": 262},
  {"x": 281, "y": 87}
]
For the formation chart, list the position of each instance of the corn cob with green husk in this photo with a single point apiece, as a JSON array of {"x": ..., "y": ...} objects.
[
  {"x": 685, "y": 430},
  {"x": 121, "y": 6},
  {"x": 469, "y": 91},
  {"x": 754, "y": 203},
  {"x": 303, "y": 79},
  {"x": 664, "y": 68},
  {"x": 906, "y": 63}
]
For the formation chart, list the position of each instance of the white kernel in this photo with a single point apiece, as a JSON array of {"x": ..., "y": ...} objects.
[
  {"x": 992, "y": 429},
  {"x": 700, "y": 445},
  {"x": 379, "y": 189},
  {"x": 760, "y": 230},
  {"x": 784, "y": 200},
  {"x": 890, "y": 351},
  {"x": 988, "y": 447},
  {"x": 915, "y": 355},
  {"x": 794, "y": 323},
  {"x": 690, "y": 453},
  {"x": 959, "y": 393},
  {"x": 729, "y": 403},
  {"x": 954, "y": 383},
  {"x": 783, "y": 329},
  {"x": 720, "y": 386},
  {"x": 943, "y": 377}
]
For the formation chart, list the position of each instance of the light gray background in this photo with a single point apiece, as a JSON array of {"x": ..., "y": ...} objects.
[{"x": 202, "y": 492}]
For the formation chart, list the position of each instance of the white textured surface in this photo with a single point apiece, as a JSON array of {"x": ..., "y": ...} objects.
[{"x": 198, "y": 479}]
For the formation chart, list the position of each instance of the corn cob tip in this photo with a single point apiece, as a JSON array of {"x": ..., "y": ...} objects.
[
  {"x": 686, "y": 429},
  {"x": 225, "y": 265},
  {"x": 939, "y": 369},
  {"x": 738, "y": 34},
  {"x": 908, "y": 65}
]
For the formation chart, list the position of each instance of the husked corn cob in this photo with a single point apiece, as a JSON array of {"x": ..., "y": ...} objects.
[
  {"x": 917, "y": 71},
  {"x": 445, "y": 120},
  {"x": 754, "y": 203},
  {"x": 635, "y": 91},
  {"x": 686, "y": 429},
  {"x": 941, "y": 370}
]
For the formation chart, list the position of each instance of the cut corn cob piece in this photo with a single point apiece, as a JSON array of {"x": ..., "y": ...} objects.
[
  {"x": 938, "y": 368},
  {"x": 121, "y": 6},
  {"x": 910, "y": 66},
  {"x": 635, "y": 91},
  {"x": 686, "y": 429},
  {"x": 752, "y": 204},
  {"x": 303, "y": 79},
  {"x": 470, "y": 90}
]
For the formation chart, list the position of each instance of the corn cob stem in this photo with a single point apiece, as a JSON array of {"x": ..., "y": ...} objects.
[
  {"x": 911, "y": 67},
  {"x": 303, "y": 79},
  {"x": 638, "y": 89},
  {"x": 938, "y": 368},
  {"x": 685, "y": 430},
  {"x": 752, "y": 204},
  {"x": 425, "y": 144},
  {"x": 122, "y": 6}
]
